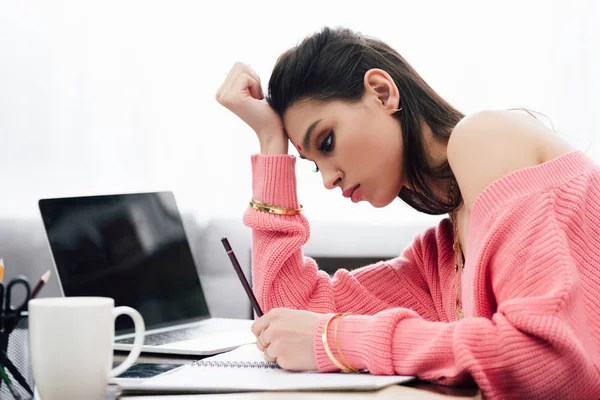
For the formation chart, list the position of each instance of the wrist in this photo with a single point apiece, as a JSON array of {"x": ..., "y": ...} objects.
[
  {"x": 350, "y": 336},
  {"x": 274, "y": 145}
]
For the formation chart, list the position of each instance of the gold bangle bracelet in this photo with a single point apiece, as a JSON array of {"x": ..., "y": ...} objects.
[
  {"x": 271, "y": 209},
  {"x": 337, "y": 345},
  {"x": 326, "y": 346}
]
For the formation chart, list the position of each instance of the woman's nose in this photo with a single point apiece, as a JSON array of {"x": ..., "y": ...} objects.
[{"x": 331, "y": 179}]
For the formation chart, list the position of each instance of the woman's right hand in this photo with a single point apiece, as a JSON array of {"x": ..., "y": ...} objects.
[{"x": 242, "y": 94}]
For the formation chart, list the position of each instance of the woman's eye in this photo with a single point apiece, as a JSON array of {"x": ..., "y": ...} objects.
[
  {"x": 327, "y": 143},
  {"x": 316, "y": 168}
]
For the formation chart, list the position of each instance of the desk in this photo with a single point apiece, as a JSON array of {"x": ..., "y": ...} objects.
[{"x": 413, "y": 390}]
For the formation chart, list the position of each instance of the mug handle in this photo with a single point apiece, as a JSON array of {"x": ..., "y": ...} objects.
[{"x": 140, "y": 328}]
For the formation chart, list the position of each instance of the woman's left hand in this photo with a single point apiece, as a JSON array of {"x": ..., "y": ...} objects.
[{"x": 286, "y": 337}]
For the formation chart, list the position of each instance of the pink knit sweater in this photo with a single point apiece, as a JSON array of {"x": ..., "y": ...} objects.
[{"x": 531, "y": 286}]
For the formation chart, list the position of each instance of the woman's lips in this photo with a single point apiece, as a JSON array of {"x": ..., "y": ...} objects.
[
  {"x": 356, "y": 195},
  {"x": 348, "y": 191},
  {"x": 353, "y": 193}
]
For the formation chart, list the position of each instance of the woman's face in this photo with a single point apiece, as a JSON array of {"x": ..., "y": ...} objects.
[{"x": 356, "y": 146}]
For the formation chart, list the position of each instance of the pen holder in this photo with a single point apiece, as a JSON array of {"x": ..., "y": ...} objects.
[{"x": 15, "y": 344}]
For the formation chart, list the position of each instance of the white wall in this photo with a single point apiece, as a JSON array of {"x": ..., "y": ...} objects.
[{"x": 110, "y": 96}]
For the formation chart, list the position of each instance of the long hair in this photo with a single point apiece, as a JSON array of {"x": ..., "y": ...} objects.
[{"x": 331, "y": 65}]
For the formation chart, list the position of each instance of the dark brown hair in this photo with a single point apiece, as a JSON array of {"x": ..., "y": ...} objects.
[{"x": 331, "y": 65}]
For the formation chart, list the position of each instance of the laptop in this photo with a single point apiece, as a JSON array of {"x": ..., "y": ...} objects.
[{"x": 134, "y": 249}]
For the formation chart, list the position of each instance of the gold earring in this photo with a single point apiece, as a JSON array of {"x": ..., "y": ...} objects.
[{"x": 394, "y": 110}]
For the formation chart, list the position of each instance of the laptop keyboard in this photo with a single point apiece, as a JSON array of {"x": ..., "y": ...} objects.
[{"x": 157, "y": 339}]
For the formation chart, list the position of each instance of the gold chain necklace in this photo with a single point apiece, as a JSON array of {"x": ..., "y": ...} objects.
[{"x": 459, "y": 258}]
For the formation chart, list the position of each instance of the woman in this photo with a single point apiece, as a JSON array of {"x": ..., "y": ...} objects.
[{"x": 505, "y": 292}]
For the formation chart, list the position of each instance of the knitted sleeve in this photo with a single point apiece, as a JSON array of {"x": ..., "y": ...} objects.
[{"x": 283, "y": 277}]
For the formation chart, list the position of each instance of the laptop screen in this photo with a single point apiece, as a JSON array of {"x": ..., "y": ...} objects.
[{"x": 131, "y": 247}]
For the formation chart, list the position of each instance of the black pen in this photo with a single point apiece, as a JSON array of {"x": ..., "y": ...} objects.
[{"x": 240, "y": 274}]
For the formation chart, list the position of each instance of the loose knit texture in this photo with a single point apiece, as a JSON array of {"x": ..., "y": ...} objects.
[{"x": 530, "y": 290}]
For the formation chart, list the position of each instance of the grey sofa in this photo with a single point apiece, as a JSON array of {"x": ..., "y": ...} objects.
[
  {"x": 25, "y": 251},
  {"x": 23, "y": 246}
]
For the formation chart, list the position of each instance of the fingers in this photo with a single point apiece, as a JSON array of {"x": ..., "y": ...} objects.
[
  {"x": 271, "y": 354},
  {"x": 241, "y": 78},
  {"x": 256, "y": 80},
  {"x": 243, "y": 86},
  {"x": 264, "y": 331},
  {"x": 270, "y": 359},
  {"x": 262, "y": 342},
  {"x": 246, "y": 83},
  {"x": 259, "y": 325},
  {"x": 242, "y": 94},
  {"x": 255, "y": 89},
  {"x": 263, "y": 322}
]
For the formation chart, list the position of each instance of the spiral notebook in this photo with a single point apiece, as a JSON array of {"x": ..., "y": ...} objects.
[{"x": 244, "y": 370}]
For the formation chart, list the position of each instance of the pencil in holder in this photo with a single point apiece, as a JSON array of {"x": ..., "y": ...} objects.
[{"x": 15, "y": 360}]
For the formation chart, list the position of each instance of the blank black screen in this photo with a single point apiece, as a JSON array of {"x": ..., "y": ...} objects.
[{"x": 131, "y": 247}]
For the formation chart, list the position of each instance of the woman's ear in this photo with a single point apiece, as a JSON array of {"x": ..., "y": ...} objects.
[{"x": 380, "y": 86}]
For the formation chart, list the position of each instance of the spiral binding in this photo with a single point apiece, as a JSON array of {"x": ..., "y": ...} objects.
[{"x": 234, "y": 364}]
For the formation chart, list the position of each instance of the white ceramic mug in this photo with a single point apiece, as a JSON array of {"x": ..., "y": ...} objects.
[{"x": 71, "y": 343}]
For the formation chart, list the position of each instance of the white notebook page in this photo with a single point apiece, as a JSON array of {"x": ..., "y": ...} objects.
[{"x": 234, "y": 379}]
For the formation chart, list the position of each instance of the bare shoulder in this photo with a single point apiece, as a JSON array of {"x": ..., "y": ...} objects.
[{"x": 488, "y": 145}]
